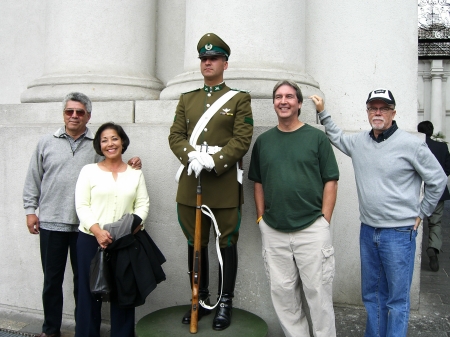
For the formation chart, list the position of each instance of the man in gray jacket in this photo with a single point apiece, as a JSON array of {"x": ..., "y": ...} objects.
[
  {"x": 390, "y": 165},
  {"x": 50, "y": 187}
]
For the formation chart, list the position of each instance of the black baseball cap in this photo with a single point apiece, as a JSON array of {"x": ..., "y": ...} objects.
[{"x": 382, "y": 95}]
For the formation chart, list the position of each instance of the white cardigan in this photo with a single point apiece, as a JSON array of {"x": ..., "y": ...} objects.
[{"x": 101, "y": 199}]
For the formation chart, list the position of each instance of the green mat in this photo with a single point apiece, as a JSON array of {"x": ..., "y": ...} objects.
[{"x": 167, "y": 323}]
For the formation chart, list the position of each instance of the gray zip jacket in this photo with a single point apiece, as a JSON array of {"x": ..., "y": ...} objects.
[{"x": 52, "y": 176}]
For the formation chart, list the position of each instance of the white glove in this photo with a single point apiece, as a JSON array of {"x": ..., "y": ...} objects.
[
  {"x": 206, "y": 160},
  {"x": 195, "y": 166},
  {"x": 192, "y": 155}
]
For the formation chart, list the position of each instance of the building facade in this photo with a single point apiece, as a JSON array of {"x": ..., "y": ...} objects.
[{"x": 134, "y": 58}]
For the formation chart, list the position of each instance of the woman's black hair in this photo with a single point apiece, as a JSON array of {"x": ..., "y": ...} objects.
[{"x": 120, "y": 132}]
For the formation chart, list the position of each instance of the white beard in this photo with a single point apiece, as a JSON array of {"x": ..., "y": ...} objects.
[{"x": 378, "y": 126}]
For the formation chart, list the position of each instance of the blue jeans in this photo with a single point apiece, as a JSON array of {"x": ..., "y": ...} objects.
[{"x": 387, "y": 264}]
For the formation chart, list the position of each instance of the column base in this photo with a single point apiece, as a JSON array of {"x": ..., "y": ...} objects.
[
  {"x": 259, "y": 82},
  {"x": 96, "y": 87}
]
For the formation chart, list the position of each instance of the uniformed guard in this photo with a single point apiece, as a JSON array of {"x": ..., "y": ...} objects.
[{"x": 211, "y": 132}]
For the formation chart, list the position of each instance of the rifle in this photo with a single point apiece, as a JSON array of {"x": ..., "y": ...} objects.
[{"x": 197, "y": 256}]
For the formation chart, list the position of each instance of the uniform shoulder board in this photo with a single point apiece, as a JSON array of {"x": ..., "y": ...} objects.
[
  {"x": 240, "y": 90},
  {"x": 187, "y": 92}
]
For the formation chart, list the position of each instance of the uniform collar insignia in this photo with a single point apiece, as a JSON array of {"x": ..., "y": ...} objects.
[{"x": 214, "y": 88}]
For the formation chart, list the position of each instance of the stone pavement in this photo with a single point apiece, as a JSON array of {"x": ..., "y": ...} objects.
[{"x": 431, "y": 320}]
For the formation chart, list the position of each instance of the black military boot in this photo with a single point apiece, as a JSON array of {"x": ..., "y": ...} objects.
[
  {"x": 203, "y": 291},
  {"x": 222, "y": 319}
]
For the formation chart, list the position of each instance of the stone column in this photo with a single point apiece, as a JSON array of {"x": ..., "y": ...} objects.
[
  {"x": 424, "y": 89},
  {"x": 444, "y": 106},
  {"x": 426, "y": 97},
  {"x": 437, "y": 73},
  {"x": 105, "y": 49},
  {"x": 267, "y": 42}
]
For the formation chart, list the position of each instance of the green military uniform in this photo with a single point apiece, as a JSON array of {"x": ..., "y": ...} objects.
[
  {"x": 228, "y": 135},
  {"x": 230, "y": 128}
]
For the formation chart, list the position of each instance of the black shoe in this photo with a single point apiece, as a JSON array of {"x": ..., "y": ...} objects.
[
  {"x": 432, "y": 255},
  {"x": 222, "y": 319},
  {"x": 201, "y": 312}
]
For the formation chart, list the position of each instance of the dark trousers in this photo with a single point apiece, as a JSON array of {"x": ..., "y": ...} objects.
[
  {"x": 89, "y": 310},
  {"x": 54, "y": 248}
]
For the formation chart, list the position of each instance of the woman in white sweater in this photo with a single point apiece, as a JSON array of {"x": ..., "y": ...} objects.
[{"x": 104, "y": 193}]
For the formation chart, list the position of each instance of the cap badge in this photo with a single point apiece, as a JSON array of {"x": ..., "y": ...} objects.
[{"x": 208, "y": 46}]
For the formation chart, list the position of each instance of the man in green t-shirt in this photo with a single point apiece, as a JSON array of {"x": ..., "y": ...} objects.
[{"x": 295, "y": 174}]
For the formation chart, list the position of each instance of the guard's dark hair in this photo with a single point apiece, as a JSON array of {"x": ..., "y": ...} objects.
[
  {"x": 426, "y": 127},
  {"x": 78, "y": 97},
  {"x": 120, "y": 132},
  {"x": 293, "y": 85}
]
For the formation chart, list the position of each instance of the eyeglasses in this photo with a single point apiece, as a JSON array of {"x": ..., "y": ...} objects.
[
  {"x": 383, "y": 110},
  {"x": 79, "y": 112}
]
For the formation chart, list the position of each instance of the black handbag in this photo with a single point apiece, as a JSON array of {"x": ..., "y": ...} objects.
[{"x": 100, "y": 281}]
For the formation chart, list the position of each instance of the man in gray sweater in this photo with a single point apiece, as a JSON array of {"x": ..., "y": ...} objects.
[
  {"x": 390, "y": 165},
  {"x": 50, "y": 187}
]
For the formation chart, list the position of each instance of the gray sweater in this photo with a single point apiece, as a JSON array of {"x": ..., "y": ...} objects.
[
  {"x": 389, "y": 175},
  {"x": 52, "y": 176}
]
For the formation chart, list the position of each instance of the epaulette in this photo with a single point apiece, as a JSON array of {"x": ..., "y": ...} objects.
[
  {"x": 187, "y": 92},
  {"x": 244, "y": 91}
]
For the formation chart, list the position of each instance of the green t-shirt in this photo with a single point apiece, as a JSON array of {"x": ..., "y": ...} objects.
[{"x": 292, "y": 168}]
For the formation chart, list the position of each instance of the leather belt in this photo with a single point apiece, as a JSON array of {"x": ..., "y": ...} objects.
[{"x": 208, "y": 149}]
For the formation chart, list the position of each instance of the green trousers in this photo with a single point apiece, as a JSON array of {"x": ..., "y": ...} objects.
[
  {"x": 228, "y": 221},
  {"x": 434, "y": 227}
]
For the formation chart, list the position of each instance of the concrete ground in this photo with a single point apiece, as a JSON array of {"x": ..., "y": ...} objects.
[{"x": 431, "y": 320}]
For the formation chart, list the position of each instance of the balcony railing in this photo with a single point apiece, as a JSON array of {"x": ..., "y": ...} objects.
[{"x": 434, "y": 29}]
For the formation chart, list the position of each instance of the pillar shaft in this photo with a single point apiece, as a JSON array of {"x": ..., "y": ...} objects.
[
  {"x": 437, "y": 110},
  {"x": 105, "y": 49},
  {"x": 257, "y": 60},
  {"x": 427, "y": 97}
]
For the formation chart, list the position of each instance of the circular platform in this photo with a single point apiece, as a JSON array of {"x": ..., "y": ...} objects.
[{"x": 167, "y": 323}]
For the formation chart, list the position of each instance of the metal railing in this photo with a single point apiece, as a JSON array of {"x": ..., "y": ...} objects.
[{"x": 434, "y": 29}]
